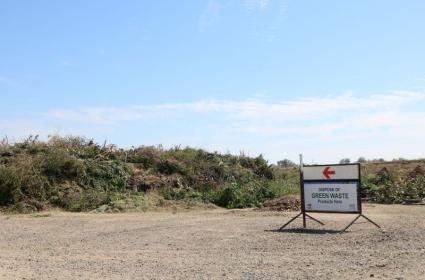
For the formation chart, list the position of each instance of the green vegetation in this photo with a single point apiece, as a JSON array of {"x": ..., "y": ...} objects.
[
  {"x": 78, "y": 175},
  {"x": 388, "y": 186}
]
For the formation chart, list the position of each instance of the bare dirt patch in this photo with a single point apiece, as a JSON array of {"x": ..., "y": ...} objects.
[
  {"x": 285, "y": 203},
  {"x": 212, "y": 244}
]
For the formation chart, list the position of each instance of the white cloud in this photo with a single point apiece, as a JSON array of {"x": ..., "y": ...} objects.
[
  {"x": 324, "y": 128},
  {"x": 303, "y": 109}
]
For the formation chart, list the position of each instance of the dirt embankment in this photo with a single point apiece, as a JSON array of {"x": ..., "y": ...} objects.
[{"x": 212, "y": 244}]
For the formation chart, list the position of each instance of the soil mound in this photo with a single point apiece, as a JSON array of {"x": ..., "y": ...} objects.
[
  {"x": 418, "y": 171},
  {"x": 285, "y": 203}
]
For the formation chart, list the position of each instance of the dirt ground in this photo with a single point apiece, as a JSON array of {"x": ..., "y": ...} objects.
[{"x": 212, "y": 244}]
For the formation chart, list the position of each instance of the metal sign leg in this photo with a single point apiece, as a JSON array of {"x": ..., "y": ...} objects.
[
  {"x": 350, "y": 224},
  {"x": 290, "y": 221},
  {"x": 372, "y": 222},
  {"x": 361, "y": 215},
  {"x": 316, "y": 220},
  {"x": 304, "y": 220}
]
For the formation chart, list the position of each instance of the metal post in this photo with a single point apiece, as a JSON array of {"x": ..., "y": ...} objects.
[
  {"x": 359, "y": 190},
  {"x": 302, "y": 191}
]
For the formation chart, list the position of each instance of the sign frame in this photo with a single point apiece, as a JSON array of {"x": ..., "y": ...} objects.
[
  {"x": 342, "y": 181},
  {"x": 328, "y": 179}
]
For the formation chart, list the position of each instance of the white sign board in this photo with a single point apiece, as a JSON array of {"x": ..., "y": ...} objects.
[
  {"x": 330, "y": 196},
  {"x": 331, "y": 188}
]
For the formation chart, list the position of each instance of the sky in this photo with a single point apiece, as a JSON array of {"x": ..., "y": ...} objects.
[{"x": 328, "y": 79}]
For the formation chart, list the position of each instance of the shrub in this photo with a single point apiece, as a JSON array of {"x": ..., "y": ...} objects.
[
  {"x": 415, "y": 188},
  {"x": 173, "y": 194},
  {"x": 170, "y": 166},
  {"x": 10, "y": 183},
  {"x": 60, "y": 164},
  {"x": 23, "y": 180},
  {"x": 345, "y": 161},
  {"x": 146, "y": 156},
  {"x": 259, "y": 165},
  {"x": 78, "y": 147},
  {"x": 242, "y": 196},
  {"x": 106, "y": 175},
  {"x": 286, "y": 163},
  {"x": 286, "y": 186},
  {"x": 384, "y": 187}
]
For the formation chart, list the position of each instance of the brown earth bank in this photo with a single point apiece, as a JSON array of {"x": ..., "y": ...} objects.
[{"x": 213, "y": 244}]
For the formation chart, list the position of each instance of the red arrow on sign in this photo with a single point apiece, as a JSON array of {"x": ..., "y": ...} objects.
[{"x": 328, "y": 172}]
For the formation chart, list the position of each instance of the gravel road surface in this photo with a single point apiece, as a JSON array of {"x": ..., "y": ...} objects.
[{"x": 212, "y": 244}]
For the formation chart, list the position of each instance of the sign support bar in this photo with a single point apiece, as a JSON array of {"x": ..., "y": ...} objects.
[
  {"x": 297, "y": 216},
  {"x": 291, "y": 220},
  {"x": 361, "y": 215}
]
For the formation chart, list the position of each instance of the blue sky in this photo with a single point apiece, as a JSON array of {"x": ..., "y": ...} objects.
[{"x": 329, "y": 79}]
